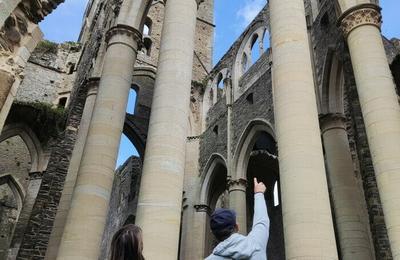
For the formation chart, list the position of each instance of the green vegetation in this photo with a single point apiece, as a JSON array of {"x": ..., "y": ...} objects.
[
  {"x": 47, "y": 121},
  {"x": 46, "y": 46}
]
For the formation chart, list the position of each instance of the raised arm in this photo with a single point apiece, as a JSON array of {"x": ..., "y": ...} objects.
[{"x": 260, "y": 230}]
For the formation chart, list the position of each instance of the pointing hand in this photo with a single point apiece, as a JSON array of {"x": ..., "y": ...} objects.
[{"x": 259, "y": 187}]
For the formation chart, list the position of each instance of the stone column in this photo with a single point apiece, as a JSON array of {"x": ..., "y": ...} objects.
[
  {"x": 59, "y": 223},
  {"x": 380, "y": 108},
  {"x": 160, "y": 198},
  {"x": 201, "y": 228},
  {"x": 89, "y": 206},
  {"x": 307, "y": 218},
  {"x": 351, "y": 221},
  {"x": 237, "y": 202}
]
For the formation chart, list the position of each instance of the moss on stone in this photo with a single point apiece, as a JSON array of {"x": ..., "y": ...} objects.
[
  {"x": 47, "y": 121},
  {"x": 46, "y": 46}
]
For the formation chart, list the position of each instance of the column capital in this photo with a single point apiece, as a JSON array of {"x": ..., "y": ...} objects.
[
  {"x": 237, "y": 185},
  {"x": 35, "y": 175},
  {"x": 202, "y": 208},
  {"x": 332, "y": 121},
  {"x": 359, "y": 15},
  {"x": 92, "y": 85},
  {"x": 122, "y": 29}
]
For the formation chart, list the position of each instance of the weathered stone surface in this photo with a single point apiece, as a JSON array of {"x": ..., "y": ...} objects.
[
  {"x": 123, "y": 203},
  {"x": 57, "y": 72}
]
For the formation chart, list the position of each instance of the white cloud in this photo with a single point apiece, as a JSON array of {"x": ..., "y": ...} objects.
[{"x": 249, "y": 10}]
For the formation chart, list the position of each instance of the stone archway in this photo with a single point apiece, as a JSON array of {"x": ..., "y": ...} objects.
[
  {"x": 11, "y": 200},
  {"x": 256, "y": 156},
  {"x": 213, "y": 195}
]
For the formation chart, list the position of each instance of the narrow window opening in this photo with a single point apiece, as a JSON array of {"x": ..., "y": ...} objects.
[
  {"x": 266, "y": 42},
  {"x": 131, "y": 107},
  {"x": 220, "y": 82},
  {"x": 71, "y": 69},
  {"x": 62, "y": 102},
  {"x": 255, "y": 49},
  {"x": 215, "y": 130},
  {"x": 250, "y": 99},
  {"x": 147, "y": 46},
  {"x": 325, "y": 21},
  {"x": 147, "y": 27}
]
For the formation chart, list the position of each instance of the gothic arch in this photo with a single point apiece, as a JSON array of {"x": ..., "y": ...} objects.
[
  {"x": 254, "y": 35},
  {"x": 135, "y": 134},
  {"x": 210, "y": 97},
  {"x": 332, "y": 90},
  {"x": 31, "y": 141},
  {"x": 134, "y": 13},
  {"x": 246, "y": 144},
  {"x": 208, "y": 176},
  {"x": 15, "y": 187},
  {"x": 12, "y": 196}
]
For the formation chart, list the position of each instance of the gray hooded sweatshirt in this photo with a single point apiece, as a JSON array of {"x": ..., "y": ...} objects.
[{"x": 250, "y": 247}]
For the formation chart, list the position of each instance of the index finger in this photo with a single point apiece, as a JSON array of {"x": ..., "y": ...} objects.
[{"x": 255, "y": 182}]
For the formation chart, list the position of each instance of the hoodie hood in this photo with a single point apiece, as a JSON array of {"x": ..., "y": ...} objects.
[{"x": 236, "y": 247}]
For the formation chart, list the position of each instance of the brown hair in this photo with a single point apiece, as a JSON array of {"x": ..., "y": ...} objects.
[{"x": 127, "y": 244}]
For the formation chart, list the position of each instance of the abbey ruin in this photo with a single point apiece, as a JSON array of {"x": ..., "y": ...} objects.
[{"x": 306, "y": 100}]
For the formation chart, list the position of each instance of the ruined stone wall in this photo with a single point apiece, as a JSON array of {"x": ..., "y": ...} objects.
[
  {"x": 37, "y": 233},
  {"x": 204, "y": 41},
  {"x": 123, "y": 202},
  {"x": 50, "y": 73},
  {"x": 327, "y": 39},
  {"x": 155, "y": 16},
  {"x": 15, "y": 161}
]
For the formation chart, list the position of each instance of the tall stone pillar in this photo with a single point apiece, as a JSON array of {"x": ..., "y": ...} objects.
[
  {"x": 380, "y": 108},
  {"x": 351, "y": 220},
  {"x": 160, "y": 198},
  {"x": 236, "y": 187},
  {"x": 89, "y": 206},
  {"x": 307, "y": 219},
  {"x": 59, "y": 223},
  {"x": 237, "y": 202}
]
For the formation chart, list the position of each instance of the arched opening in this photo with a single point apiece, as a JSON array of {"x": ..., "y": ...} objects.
[
  {"x": 255, "y": 49},
  {"x": 214, "y": 195},
  {"x": 332, "y": 92},
  {"x": 263, "y": 165},
  {"x": 220, "y": 82},
  {"x": 148, "y": 23},
  {"x": 256, "y": 157},
  {"x": 15, "y": 159},
  {"x": 19, "y": 156},
  {"x": 266, "y": 41},
  {"x": 62, "y": 102},
  {"x": 147, "y": 44},
  {"x": 10, "y": 207},
  {"x": 132, "y": 100}
]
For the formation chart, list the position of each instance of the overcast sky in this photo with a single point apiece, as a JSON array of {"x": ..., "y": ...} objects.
[{"x": 231, "y": 18}]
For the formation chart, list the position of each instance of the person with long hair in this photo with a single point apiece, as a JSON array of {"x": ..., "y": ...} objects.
[{"x": 127, "y": 244}]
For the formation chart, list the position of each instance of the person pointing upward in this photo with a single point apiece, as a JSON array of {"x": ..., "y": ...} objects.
[{"x": 232, "y": 245}]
